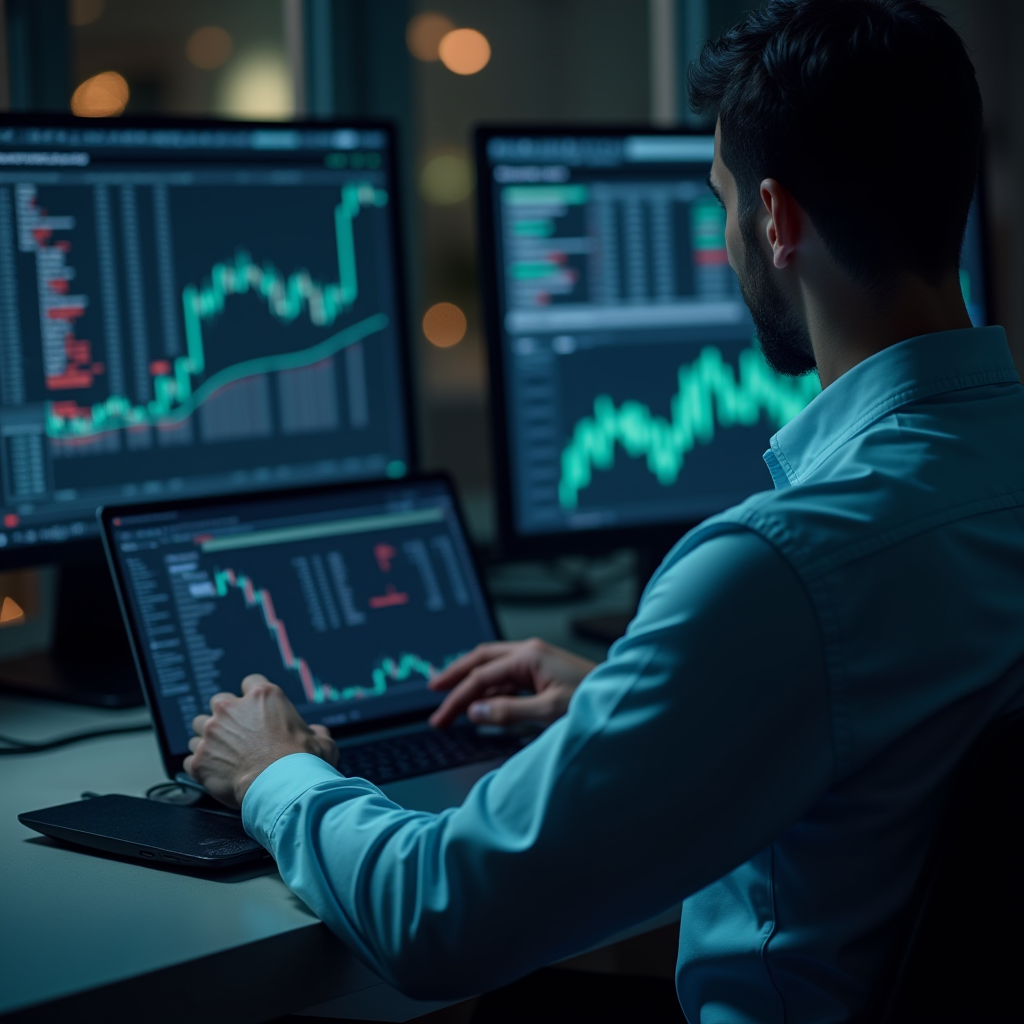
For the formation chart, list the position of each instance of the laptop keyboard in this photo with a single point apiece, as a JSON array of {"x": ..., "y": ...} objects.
[{"x": 402, "y": 757}]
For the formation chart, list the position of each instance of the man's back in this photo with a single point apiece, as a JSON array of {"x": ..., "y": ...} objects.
[
  {"x": 769, "y": 740},
  {"x": 906, "y": 529}
]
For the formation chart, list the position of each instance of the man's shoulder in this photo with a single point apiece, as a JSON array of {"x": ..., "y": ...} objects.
[{"x": 829, "y": 521}]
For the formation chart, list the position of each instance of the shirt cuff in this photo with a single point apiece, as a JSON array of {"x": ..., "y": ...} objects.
[{"x": 277, "y": 787}]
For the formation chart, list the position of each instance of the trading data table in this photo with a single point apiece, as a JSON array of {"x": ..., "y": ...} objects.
[
  {"x": 635, "y": 390},
  {"x": 189, "y": 311}
]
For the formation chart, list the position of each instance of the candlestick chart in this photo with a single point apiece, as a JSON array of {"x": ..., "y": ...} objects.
[
  {"x": 177, "y": 392},
  {"x": 170, "y": 335},
  {"x": 355, "y": 611},
  {"x": 385, "y": 674}
]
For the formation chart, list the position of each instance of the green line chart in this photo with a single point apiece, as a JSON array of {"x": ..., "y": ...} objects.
[
  {"x": 391, "y": 670},
  {"x": 175, "y": 394},
  {"x": 709, "y": 398}
]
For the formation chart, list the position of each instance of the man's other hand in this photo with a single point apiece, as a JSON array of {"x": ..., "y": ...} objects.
[
  {"x": 485, "y": 683},
  {"x": 243, "y": 735}
]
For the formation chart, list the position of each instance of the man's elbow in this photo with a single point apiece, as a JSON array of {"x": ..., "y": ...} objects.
[
  {"x": 420, "y": 972},
  {"x": 427, "y": 978}
]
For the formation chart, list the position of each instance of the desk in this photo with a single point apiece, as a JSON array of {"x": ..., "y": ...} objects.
[{"x": 90, "y": 937}]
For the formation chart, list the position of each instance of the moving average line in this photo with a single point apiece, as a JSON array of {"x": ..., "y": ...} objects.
[{"x": 174, "y": 398}]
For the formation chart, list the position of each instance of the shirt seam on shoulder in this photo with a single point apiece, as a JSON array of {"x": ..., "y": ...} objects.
[
  {"x": 915, "y": 527},
  {"x": 903, "y": 397}
]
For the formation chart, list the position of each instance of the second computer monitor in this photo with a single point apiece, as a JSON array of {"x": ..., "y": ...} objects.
[
  {"x": 192, "y": 308},
  {"x": 629, "y": 393}
]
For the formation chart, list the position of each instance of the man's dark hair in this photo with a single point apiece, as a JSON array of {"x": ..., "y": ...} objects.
[{"x": 867, "y": 111}]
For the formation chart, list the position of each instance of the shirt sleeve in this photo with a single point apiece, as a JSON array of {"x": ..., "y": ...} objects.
[{"x": 704, "y": 735}]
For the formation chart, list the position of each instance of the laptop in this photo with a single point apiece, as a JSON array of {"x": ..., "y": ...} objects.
[{"x": 349, "y": 597}]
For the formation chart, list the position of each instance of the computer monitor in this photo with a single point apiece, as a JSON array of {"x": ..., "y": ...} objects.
[
  {"x": 192, "y": 307},
  {"x": 187, "y": 308},
  {"x": 629, "y": 395}
]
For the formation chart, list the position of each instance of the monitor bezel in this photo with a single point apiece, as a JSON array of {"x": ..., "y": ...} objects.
[
  {"x": 90, "y": 549},
  {"x": 658, "y": 535},
  {"x": 173, "y": 762}
]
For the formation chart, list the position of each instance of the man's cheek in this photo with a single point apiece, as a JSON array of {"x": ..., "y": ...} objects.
[{"x": 733, "y": 246}]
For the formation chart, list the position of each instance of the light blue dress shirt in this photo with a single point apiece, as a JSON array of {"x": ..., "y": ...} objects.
[{"x": 768, "y": 741}]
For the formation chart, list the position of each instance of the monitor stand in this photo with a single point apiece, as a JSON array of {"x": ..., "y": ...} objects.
[
  {"x": 89, "y": 661},
  {"x": 607, "y": 628}
]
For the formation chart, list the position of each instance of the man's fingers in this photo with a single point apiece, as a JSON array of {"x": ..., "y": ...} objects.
[
  {"x": 328, "y": 748},
  {"x": 221, "y": 699},
  {"x": 187, "y": 764},
  {"x": 324, "y": 738},
  {"x": 500, "y": 675},
  {"x": 253, "y": 682},
  {"x": 194, "y": 743},
  {"x": 199, "y": 724},
  {"x": 461, "y": 667},
  {"x": 541, "y": 707}
]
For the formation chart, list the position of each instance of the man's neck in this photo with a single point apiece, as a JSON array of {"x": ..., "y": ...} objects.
[{"x": 847, "y": 324}]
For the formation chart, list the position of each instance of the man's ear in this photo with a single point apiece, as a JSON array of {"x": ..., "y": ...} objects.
[{"x": 785, "y": 222}]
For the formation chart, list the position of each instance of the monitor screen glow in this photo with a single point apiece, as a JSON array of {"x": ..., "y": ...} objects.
[
  {"x": 629, "y": 388},
  {"x": 192, "y": 308}
]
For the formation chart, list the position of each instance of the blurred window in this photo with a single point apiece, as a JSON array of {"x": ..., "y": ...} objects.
[{"x": 224, "y": 58}]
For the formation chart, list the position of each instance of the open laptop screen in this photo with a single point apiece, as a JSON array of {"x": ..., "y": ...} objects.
[{"x": 348, "y": 598}]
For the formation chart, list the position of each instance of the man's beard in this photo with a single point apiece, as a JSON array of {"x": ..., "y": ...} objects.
[{"x": 784, "y": 339}]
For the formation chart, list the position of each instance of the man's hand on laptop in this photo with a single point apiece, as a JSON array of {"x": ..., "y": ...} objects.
[
  {"x": 243, "y": 735},
  {"x": 486, "y": 683}
]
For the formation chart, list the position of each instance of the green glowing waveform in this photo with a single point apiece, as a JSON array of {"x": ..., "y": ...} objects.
[
  {"x": 391, "y": 671},
  {"x": 709, "y": 397},
  {"x": 174, "y": 396}
]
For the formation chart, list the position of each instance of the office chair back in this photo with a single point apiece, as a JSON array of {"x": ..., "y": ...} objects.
[{"x": 959, "y": 954}]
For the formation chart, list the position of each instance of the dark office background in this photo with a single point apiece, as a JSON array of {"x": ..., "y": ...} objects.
[{"x": 619, "y": 61}]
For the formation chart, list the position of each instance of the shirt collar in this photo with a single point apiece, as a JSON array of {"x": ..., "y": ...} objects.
[{"x": 909, "y": 371}]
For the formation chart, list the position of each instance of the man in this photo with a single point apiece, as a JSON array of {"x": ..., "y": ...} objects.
[{"x": 770, "y": 739}]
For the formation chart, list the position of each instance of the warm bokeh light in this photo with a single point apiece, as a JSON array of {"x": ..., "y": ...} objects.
[
  {"x": 464, "y": 51},
  {"x": 424, "y": 33},
  {"x": 446, "y": 179},
  {"x": 85, "y": 12},
  {"x": 257, "y": 86},
  {"x": 11, "y": 613},
  {"x": 103, "y": 95},
  {"x": 209, "y": 47},
  {"x": 444, "y": 324}
]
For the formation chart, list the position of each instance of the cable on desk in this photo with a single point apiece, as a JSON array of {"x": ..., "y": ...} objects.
[
  {"x": 174, "y": 793},
  {"x": 17, "y": 746},
  {"x": 189, "y": 794}
]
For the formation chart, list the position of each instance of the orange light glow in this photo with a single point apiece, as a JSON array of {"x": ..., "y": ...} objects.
[
  {"x": 209, "y": 47},
  {"x": 103, "y": 95},
  {"x": 444, "y": 324},
  {"x": 11, "y": 612},
  {"x": 424, "y": 33},
  {"x": 464, "y": 51},
  {"x": 85, "y": 12}
]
